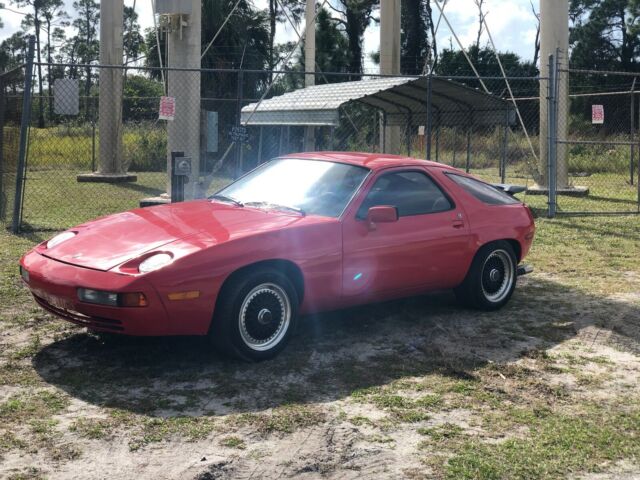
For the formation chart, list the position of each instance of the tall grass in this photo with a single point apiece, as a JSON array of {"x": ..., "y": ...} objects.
[{"x": 69, "y": 147}]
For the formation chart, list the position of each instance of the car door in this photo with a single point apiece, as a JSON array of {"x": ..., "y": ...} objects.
[{"x": 427, "y": 246}]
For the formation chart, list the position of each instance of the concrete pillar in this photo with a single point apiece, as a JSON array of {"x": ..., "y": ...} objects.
[
  {"x": 554, "y": 34},
  {"x": 310, "y": 65},
  {"x": 110, "y": 103},
  {"x": 390, "y": 15},
  {"x": 110, "y": 166},
  {"x": 184, "y": 131}
]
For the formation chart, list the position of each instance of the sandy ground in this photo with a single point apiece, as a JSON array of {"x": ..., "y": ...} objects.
[{"x": 328, "y": 430}]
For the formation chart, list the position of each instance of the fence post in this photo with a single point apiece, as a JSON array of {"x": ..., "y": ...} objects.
[
  {"x": 505, "y": 146},
  {"x": 552, "y": 152},
  {"x": 24, "y": 131},
  {"x": 633, "y": 131},
  {"x": 239, "y": 145}
]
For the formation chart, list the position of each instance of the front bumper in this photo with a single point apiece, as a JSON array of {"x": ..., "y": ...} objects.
[{"x": 54, "y": 287}]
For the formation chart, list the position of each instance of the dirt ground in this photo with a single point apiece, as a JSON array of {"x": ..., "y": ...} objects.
[{"x": 417, "y": 388}]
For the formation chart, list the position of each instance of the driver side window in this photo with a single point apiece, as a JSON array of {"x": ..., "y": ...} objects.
[{"x": 411, "y": 192}]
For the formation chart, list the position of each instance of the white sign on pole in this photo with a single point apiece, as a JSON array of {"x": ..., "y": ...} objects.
[
  {"x": 421, "y": 130},
  {"x": 597, "y": 114},
  {"x": 167, "y": 108},
  {"x": 66, "y": 96}
]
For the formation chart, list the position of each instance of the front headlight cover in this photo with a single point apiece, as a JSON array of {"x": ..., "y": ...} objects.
[
  {"x": 155, "y": 262},
  {"x": 58, "y": 239}
]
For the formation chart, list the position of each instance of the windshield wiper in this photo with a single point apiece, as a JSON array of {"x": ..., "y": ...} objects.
[
  {"x": 224, "y": 198},
  {"x": 276, "y": 206}
]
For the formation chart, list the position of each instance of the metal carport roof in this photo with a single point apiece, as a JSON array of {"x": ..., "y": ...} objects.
[{"x": 403, "y": 99}]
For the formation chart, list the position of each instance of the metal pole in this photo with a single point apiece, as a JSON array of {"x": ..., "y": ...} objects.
[
  {"x": 260, "y": 146},
  {"x": 409, "y": 125},
  {"x": 24, "y": 131},
  {"x": 505, "y": 145},
  {"x": 429, "y": 116},
  {"x": 468, "y": 164},
  {"x": 551, "y": 147},
  {"x": 93, "y": 143},
  {"x": 455, "y": 146},
  {"x": 438, "y": 128},
  {"x": 633, "y": 131},
  {"x": 240, "y": 82}
]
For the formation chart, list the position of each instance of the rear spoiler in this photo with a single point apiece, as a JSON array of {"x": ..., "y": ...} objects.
[{"x": 510, "y": 189}]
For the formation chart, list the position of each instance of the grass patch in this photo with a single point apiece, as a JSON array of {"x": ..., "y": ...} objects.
[
  {"x": 556, "y": 445},
  {"x": 285, "y": 419},
  {"x": 233, "y": 442}
]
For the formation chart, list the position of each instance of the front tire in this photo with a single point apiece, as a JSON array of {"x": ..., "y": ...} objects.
[
  {"x": 255, "y": 316},
  {"x": 491, "y": 279}
]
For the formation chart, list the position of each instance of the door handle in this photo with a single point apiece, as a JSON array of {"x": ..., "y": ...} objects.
[{"x": 458, "y": 222}]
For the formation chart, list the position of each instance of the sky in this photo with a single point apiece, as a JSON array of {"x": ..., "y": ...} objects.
[{"x": 511, "y": 22}]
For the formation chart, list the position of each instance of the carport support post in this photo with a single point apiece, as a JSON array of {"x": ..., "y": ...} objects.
[
  {"x": 430, "y": 117},
  {"x": 260, "y": 146},
  {"x": 505, "y": 144},
  {"x": 409, "y": 131},
  {"x": 438, "y": 128},
  {"x": 469, "y": 128},
  {"x": 240, "y": 79}
]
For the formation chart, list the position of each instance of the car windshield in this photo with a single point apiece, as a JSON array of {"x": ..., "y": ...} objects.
[{"x": 311, "y": 187}]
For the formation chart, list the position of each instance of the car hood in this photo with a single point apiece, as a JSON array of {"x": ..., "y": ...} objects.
[{"x": 110, "y": 241}]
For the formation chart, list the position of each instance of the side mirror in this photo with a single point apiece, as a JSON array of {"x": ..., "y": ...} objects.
[{"x": 381, "y": 214}]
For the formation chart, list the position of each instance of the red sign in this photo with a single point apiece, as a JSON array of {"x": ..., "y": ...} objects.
[
  {"x": 167, "y": 108},
  {"x": 597, "y": 114}
]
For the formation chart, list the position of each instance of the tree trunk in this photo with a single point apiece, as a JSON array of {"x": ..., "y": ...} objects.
[
  {"x": 36, "y": 21},
  {"x": 87, "y": 85},
  {"x": 49, "y": 61},
  {"x": 354, "y": 35},
  {"x": 272, "y": 35}
]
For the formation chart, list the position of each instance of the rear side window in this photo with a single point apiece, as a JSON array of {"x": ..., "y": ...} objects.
[{"x": 483, "y": 191}]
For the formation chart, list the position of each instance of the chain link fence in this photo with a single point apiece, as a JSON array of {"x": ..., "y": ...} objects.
[
  {"x": 11, "y": 99},
  {"x": 243, "y": 118},
  {"x": 601, "y": 146}
]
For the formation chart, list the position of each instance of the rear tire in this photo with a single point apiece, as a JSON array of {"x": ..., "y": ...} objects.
[
  {"x": 491, "y": 280},
  {"x": 255, "y": 315}
]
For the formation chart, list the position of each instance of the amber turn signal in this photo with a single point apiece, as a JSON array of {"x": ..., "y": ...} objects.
[
  {"x": 132, "y": 300},
  {"x": 184, "y": 295}
]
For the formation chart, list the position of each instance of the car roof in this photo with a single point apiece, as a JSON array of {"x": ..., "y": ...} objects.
[{"x": 373, "y": 161}]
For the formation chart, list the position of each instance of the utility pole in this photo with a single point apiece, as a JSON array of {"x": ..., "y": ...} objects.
[
  {"x": 390, "y": 14},
  {"x": 185, "y": 47},
  {"x": 310, "y": 65},
  {"x": 110, "y": 168},
  {"x": 554, "y": 39}
]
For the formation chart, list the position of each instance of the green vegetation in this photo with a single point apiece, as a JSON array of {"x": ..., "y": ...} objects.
[{"x": 556, "y": 445}]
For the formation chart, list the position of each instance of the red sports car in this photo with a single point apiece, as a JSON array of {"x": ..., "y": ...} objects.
[{"x": 299, "y": 234}]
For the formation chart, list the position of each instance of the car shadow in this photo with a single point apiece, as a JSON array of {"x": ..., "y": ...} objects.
[{"x": 332, "y": 354}]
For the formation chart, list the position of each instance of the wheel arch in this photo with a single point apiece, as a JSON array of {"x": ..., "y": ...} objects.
[
  {"x": 515, "y": 244},
  {"x": 287, "y": 267}
]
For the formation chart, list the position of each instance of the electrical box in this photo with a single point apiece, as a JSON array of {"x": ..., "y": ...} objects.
[
  {"x": 173, "y": 7},
  {"x": 182, "y": 166}
]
